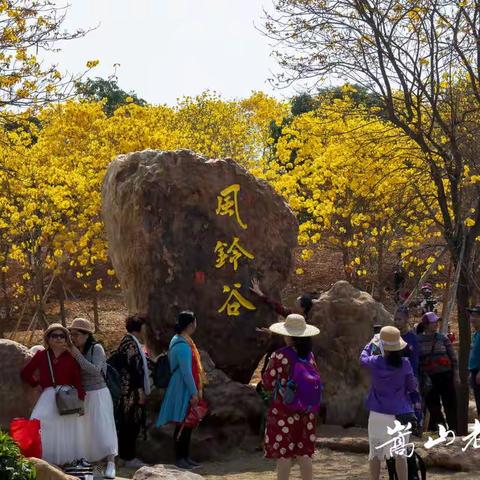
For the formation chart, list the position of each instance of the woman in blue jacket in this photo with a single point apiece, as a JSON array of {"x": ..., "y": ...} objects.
[{"x": 185, "y": 387}]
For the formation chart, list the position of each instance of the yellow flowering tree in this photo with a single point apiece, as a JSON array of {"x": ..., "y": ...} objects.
[
  {"x": 51, "y": 207},
  {"x": 341, "y": 169}
]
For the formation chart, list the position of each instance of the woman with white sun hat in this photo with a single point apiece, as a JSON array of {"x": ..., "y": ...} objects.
[
  {"x": 290, "y": 427},
  {"x": 393, "y": 388}
]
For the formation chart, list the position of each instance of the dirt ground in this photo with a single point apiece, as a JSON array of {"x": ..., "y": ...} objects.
[{"x": 328, "y": 465}]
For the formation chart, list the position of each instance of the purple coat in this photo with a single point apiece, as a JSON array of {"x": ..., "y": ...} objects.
[{"x": 391, "y": 387}]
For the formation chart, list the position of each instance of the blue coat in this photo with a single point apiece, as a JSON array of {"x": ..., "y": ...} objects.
[{"x": 181, "y": 387}]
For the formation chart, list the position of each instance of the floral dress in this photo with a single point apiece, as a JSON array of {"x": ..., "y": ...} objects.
[
  {"x": 129, "y": 364},
  {"x": 287, "y": 434}
]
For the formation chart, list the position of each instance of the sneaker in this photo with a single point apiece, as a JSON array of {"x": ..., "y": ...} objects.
[
  {"x": 83, "y": 462},
  {"x": 193, "y": 463},
  {"x": 183, "y": 465},
  {"x": 110, "y": 471},
  {"x": 135, "y": 463}
]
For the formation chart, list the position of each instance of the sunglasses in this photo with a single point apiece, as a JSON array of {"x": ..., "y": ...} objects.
[{"x": 59, "y": 336}]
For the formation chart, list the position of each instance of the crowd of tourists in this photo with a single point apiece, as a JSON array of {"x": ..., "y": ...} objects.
[
  {"x": 91, "y": 430},
  {"x": 413, "y": 380},
  {"x": 101, "y": 430},
  {"x": 414, "y": 375}
]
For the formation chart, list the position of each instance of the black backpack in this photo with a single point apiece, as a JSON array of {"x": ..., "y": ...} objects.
[
  {"x": 416, "y": 468},
  {"x": 161, "y": 372},
  {"x": 112, "y": 378}
]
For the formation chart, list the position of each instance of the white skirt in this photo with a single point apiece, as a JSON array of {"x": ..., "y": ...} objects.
[
  {"x": 100, "y": 432},
  {"x": 378, "y": 424},
  {"x": 62, "y": 436}
]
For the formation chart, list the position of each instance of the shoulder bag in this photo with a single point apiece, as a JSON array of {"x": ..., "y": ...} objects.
[{"x": 66, "y": 396}]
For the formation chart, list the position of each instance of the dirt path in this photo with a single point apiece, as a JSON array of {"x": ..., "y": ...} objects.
[{"x": 328, "y": 465}]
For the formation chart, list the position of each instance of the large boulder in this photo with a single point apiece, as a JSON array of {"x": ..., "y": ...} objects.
[
  {"x": 345, "y": 316},
  {"x": 233, "y": 421},
  {"x": 186, "y": 232},
  {"x": 162, "y": 472},
  {"x": 16, "y": 398}
]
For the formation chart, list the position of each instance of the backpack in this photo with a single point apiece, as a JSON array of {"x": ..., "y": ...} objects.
[
  {"x": 416, "y": 468},
  {"x": 111, "y": 377},
  {"x": 161, "y": 372},
  {"x": 303, "y": 391}
]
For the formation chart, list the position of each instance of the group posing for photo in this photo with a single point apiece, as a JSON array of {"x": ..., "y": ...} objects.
[
  {"x": 413, "y": 380},
  {"x": 94, "y": 429}
]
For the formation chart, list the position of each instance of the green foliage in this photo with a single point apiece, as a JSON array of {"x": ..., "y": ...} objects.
[
  {"x": 13, "y": 466},
  {"x": 357, "y": 93},
  {"x": 99, "y": 89},
  {"x": 302, "y": 103}
]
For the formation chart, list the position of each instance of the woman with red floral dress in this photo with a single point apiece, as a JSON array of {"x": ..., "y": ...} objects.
[{"x": 289, "y": 435}]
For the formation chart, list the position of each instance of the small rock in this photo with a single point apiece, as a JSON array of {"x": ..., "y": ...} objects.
[
  {"x": 161, "y": 472},
  {"x": 45, "y": 471}
]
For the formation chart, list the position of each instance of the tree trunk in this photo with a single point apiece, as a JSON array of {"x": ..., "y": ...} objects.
[
  {"x": 40, "y": 289},
  {"x": 95, "y": 312},
  {"x": 381, "y": 290},
  {"x": 446, "y": 294},
  {"x": 61, "y": 301},
  {"x": 464, "y": 351},
  {"x": 6, "y": 305},
  {"x": 346, "y": 265}
]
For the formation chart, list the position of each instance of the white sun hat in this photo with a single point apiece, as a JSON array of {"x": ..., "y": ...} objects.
[{"x": 294, "y": 326}]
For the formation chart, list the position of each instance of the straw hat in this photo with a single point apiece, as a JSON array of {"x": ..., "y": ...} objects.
[
  {"x": 53, "y": 327},
  {"x": 294, "y": 326},
  {"x": 82, "y": 324},
  {"x": 391, "y": 339}
]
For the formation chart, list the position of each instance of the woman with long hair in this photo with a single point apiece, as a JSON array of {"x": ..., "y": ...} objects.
[
  {"x": 100, "y": 431},
  {"x": 289, "y": 435},
  {"x": 392, "y": 391},
  {"x": 62, "y": 435},
  {"x": 185, "y": 387}
]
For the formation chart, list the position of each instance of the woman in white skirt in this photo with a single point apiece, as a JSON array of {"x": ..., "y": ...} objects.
[
  {"x": 393, "y": 396},
  {"x": 62, "y": 436},
  {"x": 99, "y": 423}
]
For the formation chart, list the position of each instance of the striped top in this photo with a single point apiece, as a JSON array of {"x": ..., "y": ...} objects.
[{"x": 436, "y": 354}]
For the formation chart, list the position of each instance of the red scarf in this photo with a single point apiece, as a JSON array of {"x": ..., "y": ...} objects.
[{"x": 197, "y": 367}]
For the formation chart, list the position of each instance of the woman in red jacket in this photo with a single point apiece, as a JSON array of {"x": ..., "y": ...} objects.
[{"x": 62, "y": 436}]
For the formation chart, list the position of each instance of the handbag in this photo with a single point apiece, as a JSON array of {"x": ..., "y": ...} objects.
[
  {"x": 26, "y": 434},
  {"x": 196, "y": 413},
  {"x": 66, "y": 396}
]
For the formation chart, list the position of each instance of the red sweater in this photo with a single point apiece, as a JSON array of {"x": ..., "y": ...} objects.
[{"x": 65, "y": 369}]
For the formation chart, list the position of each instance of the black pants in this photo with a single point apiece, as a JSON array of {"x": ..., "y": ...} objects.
[
  {"x": 128, "y": 431},
  {"x": 442, "y": 393},
  {"x": 182, "y": 443},
  {"x": 476, "y": 389}
]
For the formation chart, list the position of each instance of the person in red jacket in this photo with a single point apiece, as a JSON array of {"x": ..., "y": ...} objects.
[{"x": 62, "y": 436}]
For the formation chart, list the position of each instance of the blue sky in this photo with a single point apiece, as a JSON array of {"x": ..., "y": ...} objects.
[{"x": 170, "y": 48}]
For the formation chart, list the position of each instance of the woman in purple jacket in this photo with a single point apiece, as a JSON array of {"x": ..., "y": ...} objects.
[{"x": 391, "y": 393}]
